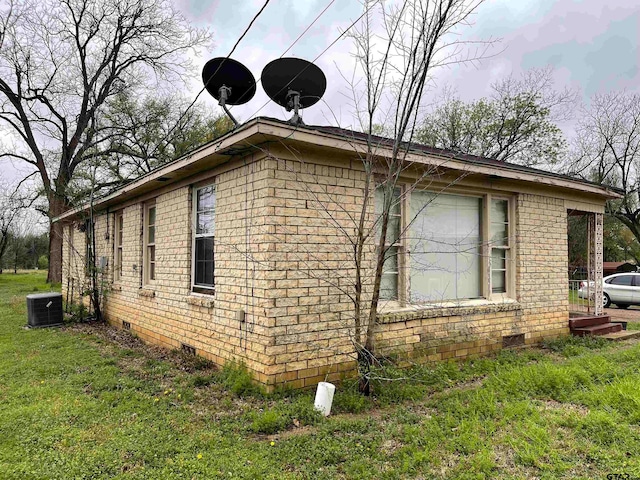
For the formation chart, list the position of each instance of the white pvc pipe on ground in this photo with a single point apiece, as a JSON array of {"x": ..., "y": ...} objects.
[{"x": 324, "y": 398}]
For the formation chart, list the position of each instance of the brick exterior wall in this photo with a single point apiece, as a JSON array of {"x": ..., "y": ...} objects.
[{"x": 283, "y": 257}]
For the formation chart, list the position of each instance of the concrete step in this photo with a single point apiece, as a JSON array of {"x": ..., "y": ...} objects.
[
  {"x": 588, "y": 321},
  {"x": 622, "y": 335},
  {"x": 597, "y": 329}
]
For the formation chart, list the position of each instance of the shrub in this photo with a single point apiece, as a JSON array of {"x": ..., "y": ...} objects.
[{"x": 43, "y": 262}]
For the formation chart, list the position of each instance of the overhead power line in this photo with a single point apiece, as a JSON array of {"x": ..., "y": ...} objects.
[
  {"x": 321, "y": 53},
  {"x": 294, "y": 42},
  {"x": 255, "y": 17}
]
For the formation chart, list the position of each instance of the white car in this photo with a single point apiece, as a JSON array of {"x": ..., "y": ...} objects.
[{"x": 621, "y": 289}]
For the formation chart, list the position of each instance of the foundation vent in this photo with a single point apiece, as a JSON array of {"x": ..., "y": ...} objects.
[
  {"x": 513, "y": 340},
  {"x": 188, "y": 349},
  {"x": 126, "y": 325}
]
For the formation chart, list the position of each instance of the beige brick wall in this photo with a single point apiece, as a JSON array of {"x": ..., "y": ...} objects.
[
  {"x": 542, "y": 266},
  {"x": 283, "y": 256}
]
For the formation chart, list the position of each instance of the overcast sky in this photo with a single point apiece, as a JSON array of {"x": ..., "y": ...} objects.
[{"x": 591, "y": 44}]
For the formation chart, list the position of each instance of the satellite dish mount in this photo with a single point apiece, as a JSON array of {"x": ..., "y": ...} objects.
[
  {"x": 294, "y": 84},
  {"x": 223, "y": 93},
  {"x": 293, "y": 103},
  {"x": 229, "y": 82}
]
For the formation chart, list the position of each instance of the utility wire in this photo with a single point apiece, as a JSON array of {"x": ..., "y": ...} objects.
[
  {"x": 255, "y": 17},
  {"x": 321, "y": 53},
  {"x": 294, "y": 42}
]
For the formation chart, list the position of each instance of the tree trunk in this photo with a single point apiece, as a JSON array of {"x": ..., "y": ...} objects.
[{"x": 56, "y": 207}]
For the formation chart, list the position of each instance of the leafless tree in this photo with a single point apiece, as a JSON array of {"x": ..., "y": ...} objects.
[
  {"x": 396, "y": 60},
  {"x": 60, "y": 62},
  {"x": 607, "y": 150}
]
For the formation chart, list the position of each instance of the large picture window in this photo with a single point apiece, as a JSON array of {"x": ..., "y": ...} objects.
[
  {"x": 204, "y": 228},
  {"x": 446, "y": 247},
  {"x": 149, "y": 259},
  {"x": 444, "y": 241}
]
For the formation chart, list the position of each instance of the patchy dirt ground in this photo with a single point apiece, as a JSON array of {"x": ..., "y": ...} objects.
[{"x": 631, "y": 314}]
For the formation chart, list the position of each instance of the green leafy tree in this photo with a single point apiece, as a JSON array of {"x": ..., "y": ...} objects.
[
  {"x": 516, "y": 123},
  {"x": 145, "y": 133}
]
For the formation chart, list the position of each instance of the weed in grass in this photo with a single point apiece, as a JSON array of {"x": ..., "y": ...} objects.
[
  {"x": 236, "y": 377},
  {"x": 199, "y": 381},
  {"x": 348, "y": 400},
  {"x": 298, "y": 413}
]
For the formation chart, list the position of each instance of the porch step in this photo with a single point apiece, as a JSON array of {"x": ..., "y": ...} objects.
[
  {"x": 588, "y": 321},
  {"x": 622, "y": 335},
  {"x": 602, "y": 329}
]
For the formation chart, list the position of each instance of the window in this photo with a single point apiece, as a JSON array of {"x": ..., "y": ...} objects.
[
  {"x": 444, "y": 243},
  {"x": 499, "y": 226},
  {"x": 117, "y": 273},
  {"x": 149, "y": 256},
  {"x": 454, "y": 247},
  {"x": 393, "y": 248},
  {"x": 204, "y": 227},
  {"x": 623, "y": 280},
  {"x": 88, "y": 248}
]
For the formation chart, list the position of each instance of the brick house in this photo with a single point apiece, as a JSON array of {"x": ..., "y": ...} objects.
[{"x": 240, "y": 251}]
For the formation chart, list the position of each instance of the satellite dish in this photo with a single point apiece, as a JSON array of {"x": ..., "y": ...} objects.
[
  {"x": 229, "y": 82},
  {"x": 294, "y": 83}
]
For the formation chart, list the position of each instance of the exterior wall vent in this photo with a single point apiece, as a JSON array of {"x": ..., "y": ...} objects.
[
  {"x": 513, "y": 340},
  {"x": 126, "y": 325},
  {"x": 44, "y": 309},
  {"x": 188, "y": 349}
]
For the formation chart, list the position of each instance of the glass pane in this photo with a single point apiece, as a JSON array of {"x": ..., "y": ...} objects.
[
  {"x": 389, "y": 286},
  {"x": 152, "y": 235},
  {"x": 445, "y": 247},
  {"x": 390, "y": 260},
  {"x": 152, "y": 254},
  {"x": 498, "y": 259},
  {"x": 206, "y": 198},
  {"x": 205, "y": 223},
  {"x": 499, "y": 211},
  {"x": 498, "y": 283},
  {"x": 499, "y": 222},
  {"x": 120, "y": 238},
  {"x": 623, "y": 280},
  {"x": 152, "y": 216},
  {"x": 393, "y": 230},
  {"x": 393, "y": 227},
  {"x": 152, "y": 271},
  {"x": 204, "y": 262}
]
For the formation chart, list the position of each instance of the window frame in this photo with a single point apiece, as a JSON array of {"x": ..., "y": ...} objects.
[
  {"x": 118, "y": 249},
  {"x": 146, "y": 261},
  {"x": 399, "y": 245},
  {"x": 195, "y": 288},
  {"x": 486, "y": 246},
  {"x": 509, "y": 249}
]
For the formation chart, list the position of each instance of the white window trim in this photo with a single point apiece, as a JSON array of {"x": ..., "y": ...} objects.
[
  {"x": 146, "y": 267},
  {"x": 118, "y": 249},
  {"x": 404, "y": 280},
  {"x": 194, "y": 207}
]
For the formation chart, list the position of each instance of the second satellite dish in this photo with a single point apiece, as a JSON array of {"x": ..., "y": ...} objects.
[
  {"x": 229, "y": 82},
  {"x": 293, "y": 83}
]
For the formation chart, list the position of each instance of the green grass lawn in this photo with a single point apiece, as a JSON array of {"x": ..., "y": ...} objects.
[{"x": 87, "y": 401}]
